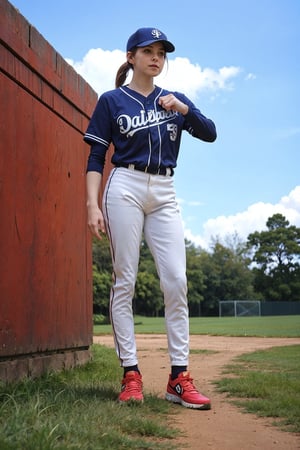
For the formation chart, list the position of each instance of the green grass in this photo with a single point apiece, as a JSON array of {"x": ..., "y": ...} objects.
[
  {"x": 267, "y": 383},
  {"x": 264, "y": 326},
  {"x": 77, "y": 409}
]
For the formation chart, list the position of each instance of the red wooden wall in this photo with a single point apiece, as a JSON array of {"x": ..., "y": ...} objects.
[{"x": 45, "y": 249}]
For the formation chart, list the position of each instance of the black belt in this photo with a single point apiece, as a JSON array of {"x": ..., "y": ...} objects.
[{"x": 169, "y": 171}]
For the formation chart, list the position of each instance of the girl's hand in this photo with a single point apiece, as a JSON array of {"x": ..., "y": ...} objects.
[
  {"x": 170, "y": 102},
  {"x": 95, "y": 221}
]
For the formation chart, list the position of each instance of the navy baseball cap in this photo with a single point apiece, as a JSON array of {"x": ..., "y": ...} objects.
[{"x": 146, "y": 36}]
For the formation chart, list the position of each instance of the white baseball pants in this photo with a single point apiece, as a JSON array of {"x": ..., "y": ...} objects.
[{"x": 134, "y": 202}]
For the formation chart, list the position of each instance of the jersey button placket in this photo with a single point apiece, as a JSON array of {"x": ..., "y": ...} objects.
[{"x": 149, "y": 106}]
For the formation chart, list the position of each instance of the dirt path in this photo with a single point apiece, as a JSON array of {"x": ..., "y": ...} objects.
[{"x": 224, "y": 427}]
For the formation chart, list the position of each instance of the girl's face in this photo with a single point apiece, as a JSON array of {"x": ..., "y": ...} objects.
[{"x": 148, "y": 60}]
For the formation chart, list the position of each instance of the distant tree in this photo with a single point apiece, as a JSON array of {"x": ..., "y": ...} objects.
[
  {"x": 276, "y": 254},
  {"x": 102, "y": 273},
  {"x": 195, "y": 278},
  {"x": 101, "y": 291},
  {"x": 227, "y": 275},
  {"x": 146, "y": 263},
  {"x": 147, "y": 299},
  {"x": 101, "y": 255}
]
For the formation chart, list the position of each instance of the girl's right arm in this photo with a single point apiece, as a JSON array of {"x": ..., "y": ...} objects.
[{"x": 95, "y": 217}]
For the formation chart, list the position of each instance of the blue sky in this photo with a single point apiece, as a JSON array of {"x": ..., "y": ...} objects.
[{"x": 239, "y": 62}]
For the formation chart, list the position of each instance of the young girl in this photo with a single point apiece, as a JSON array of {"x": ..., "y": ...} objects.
[{"x": 144, "y": 123}]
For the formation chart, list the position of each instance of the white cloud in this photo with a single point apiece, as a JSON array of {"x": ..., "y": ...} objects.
[
  {"x": 182, "y": 75},
  {"x": 246, "y": 222},
  {"x": 99, "y": 68},
  {"x": 250, "y": 76}
]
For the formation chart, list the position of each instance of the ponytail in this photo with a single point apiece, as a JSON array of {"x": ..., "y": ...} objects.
[{"x": 122, "y": 74}]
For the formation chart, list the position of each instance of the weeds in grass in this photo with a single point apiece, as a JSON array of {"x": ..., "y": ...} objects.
[
  {"x": 196, "y": 351},
  {"x": 199, "y": 351},
  {"x": 77, "y": 409},
  {"x": 267, "y": 383}
]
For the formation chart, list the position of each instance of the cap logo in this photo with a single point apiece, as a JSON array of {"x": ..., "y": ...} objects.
[{"x": 156, "y": 33}]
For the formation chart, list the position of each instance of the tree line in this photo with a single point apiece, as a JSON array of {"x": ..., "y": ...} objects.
[{"x": 265, "y": 267}]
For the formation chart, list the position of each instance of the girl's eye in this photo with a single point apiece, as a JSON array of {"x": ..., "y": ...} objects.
[{"x": 161, "y": 54}]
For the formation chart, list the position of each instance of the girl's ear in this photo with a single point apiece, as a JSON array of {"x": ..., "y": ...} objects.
[{"x": 130, "y": 57}]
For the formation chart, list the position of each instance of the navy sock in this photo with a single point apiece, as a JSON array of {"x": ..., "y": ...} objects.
[
  {"x": 176, "y": 370},
  {"x": 130, "y": 368}
]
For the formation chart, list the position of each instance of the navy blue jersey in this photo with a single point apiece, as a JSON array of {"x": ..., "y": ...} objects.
[{"x": 142, "y": 132}]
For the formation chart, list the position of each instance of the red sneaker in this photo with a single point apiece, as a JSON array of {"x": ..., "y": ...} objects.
[
  {"x": 132, "y": 387},
  {"x": 182, "y": 390}
]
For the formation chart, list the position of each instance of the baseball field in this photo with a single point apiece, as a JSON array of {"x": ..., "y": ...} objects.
[{"x": 249, "y": 367}]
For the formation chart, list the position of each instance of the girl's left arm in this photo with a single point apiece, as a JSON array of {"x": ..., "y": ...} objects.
[
  {"x": 196, "y": 123},
  {"x": 200, "y": 126}
]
